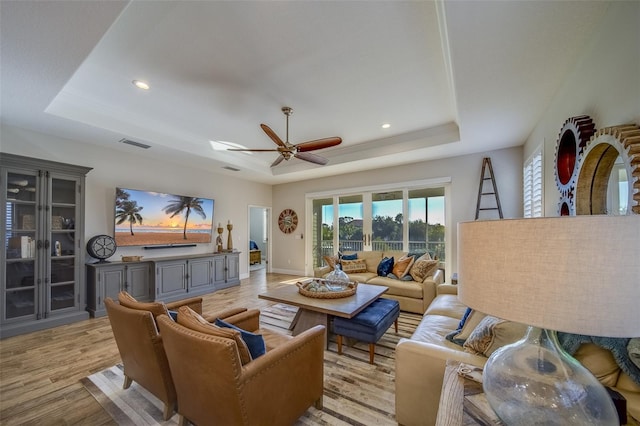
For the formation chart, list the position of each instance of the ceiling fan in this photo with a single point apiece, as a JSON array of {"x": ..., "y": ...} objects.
[{"x": 301, "y": 150}]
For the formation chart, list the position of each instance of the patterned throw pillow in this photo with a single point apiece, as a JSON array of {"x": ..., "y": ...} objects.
[
  {"x": 493, "y": 333},
  {"x": 353, "y": 266},
  {"x": 331, "y": 261},
  {"x": 423, "y": 268},
  {"x": 403, "y": 266}
]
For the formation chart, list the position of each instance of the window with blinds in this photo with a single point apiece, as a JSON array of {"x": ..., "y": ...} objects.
[{"x": 532, "y": 180}]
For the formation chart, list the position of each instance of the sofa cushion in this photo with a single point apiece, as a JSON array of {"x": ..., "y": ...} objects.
[
  {"x": 402, "y": 266},
  {"x": 273, "y": 339},
  {"x": 423, "y": 268},
  {"x": 361, "y": 277},
  {"x": 600, "y": 362},
  {"x": 493, "y": 333},
  {"x": 410, "y": 289},
  {"x": 447, "y": 305},
  {"x": 353, "y": 266},
  {"x": 372, "y": 258},
  {"x": 396, "y": 254},
  {"x": 434, "y": 328},
  {"x": 385, "y": 266}
]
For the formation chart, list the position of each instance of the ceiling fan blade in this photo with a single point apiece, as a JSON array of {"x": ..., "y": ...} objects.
[
  {"x": 278, "y": 161},
  {"x": 313, "y": 158},
  {"x": 272, "y": 135},
  {"x": 252, "y": 150},
  {"x": 318, "y": 144}
]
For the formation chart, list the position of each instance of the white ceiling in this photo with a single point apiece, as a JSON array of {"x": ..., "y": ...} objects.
[{"x": 452, "y": 77}]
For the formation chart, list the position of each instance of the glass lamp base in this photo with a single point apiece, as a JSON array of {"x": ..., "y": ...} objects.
[{"x": 535, "y": 382}]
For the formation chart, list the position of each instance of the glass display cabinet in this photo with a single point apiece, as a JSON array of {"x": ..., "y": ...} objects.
[{"x": 42, "y": 254}]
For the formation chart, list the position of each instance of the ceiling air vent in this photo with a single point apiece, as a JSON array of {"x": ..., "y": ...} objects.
[
  {"x": 233, "y": 169},
  {"x": 134, "y": 143}
]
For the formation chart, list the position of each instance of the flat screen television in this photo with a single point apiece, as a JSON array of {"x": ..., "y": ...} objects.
[{"x": 146, "y": 218}]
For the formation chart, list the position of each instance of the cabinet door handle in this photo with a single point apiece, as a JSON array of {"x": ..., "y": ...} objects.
[{"x": 46, "y": 244}]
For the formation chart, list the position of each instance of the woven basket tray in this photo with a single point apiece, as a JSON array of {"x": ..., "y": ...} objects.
[{"x": 329, "y": 294}]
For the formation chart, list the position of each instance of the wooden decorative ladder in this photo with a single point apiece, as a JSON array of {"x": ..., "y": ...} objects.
[{"x": 486, "y": 161}]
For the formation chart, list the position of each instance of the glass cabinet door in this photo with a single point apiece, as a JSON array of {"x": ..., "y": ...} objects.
[
  {"x": 60, "y": 244},
  {"x": 20, "y": 232}
]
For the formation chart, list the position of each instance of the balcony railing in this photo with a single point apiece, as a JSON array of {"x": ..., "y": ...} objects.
[{"x": 434, "y": 248}]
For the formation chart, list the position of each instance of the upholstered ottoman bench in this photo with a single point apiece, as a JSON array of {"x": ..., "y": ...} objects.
[{"x": 369, "y": 325}]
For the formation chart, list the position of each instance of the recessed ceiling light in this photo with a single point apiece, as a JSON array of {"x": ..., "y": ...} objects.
[
  {"x": 141, "y": 84},
  {"x": 386, "y": 125}
]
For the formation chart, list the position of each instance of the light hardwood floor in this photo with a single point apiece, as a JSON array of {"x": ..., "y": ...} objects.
[{"x": 40, "y": 372}]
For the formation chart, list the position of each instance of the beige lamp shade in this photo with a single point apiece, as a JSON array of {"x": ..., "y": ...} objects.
[{"x": 576, "y": 274}]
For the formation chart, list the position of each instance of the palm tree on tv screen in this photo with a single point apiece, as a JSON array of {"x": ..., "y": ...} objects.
[
  {"x": 128, "y": 211},
  {"x": 179, "y": 204}
]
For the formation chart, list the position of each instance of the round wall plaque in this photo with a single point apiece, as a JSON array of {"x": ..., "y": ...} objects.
[{"x": 288, "y": 221}]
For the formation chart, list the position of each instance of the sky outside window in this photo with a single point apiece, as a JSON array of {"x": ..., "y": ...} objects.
[{"x": 390, "y": 208}]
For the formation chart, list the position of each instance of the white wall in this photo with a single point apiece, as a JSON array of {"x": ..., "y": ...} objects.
[
  {"x": 289, "y": 251},
  {"x": 256, "y": 232},
  {"x": 112, "y": 169},
  {"x": 605, "y": 84}
]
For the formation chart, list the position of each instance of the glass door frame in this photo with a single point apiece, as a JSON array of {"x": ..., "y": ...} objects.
[{"x": 444, "y": 182}]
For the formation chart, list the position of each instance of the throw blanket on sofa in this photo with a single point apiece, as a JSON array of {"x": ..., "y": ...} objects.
[{"x": 617, "y": 346}]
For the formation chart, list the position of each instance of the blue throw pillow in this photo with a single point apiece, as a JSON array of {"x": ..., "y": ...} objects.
[
  {"x": 353, "y": 256},
  {"x": 464, "y": 318},
  {"x": 173, "y": 315},
  {"x": 255, "y": 342},
  {"x": 385, "y": 266}
]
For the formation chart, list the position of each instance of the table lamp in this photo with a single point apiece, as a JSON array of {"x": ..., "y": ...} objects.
[{"x": 574, "y": 274}]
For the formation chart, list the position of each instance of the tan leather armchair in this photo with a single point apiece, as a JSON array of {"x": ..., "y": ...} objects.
[
  {"x": 141, "y": 348},
  {"x": 214, "y": 387}
]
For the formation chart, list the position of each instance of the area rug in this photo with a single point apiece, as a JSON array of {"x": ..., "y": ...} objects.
[{"x": 355, "y": 392}]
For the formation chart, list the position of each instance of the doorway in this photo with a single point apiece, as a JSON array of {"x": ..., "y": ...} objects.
[{"x": 259, "y": 232}]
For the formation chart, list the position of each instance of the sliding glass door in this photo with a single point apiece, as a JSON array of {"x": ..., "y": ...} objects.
[
  {"x": 387, "y": 221},
  {"x": 410, "y": 219}
]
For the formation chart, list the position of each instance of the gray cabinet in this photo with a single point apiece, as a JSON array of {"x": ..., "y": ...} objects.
[
  {"x": 108, "y": 279},
  {"x": 181, "y": 277},
  {"x": 42, "y": 252},
  {"x": 226, "y": 270},
  {"x": 163, "y": 279},
  {"x": 171, "y": 279}
]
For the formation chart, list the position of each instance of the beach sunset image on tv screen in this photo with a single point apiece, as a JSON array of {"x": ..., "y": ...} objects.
[{"x": 154, "y": 218}]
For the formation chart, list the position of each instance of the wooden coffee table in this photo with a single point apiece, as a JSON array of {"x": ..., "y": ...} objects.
[{"x": 313, "y": 311}]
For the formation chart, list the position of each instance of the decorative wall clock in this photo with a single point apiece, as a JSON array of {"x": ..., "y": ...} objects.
[{"x": 288, "y": 221}]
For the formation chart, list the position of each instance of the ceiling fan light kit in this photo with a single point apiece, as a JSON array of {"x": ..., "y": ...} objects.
[{"x": 288, "y": 150}]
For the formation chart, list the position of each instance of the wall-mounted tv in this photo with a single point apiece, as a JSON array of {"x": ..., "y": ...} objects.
[{"x": 146, "y": 218}]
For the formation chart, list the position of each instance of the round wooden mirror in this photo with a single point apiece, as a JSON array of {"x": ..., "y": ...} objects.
[{"x": 609, "y": 172}]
